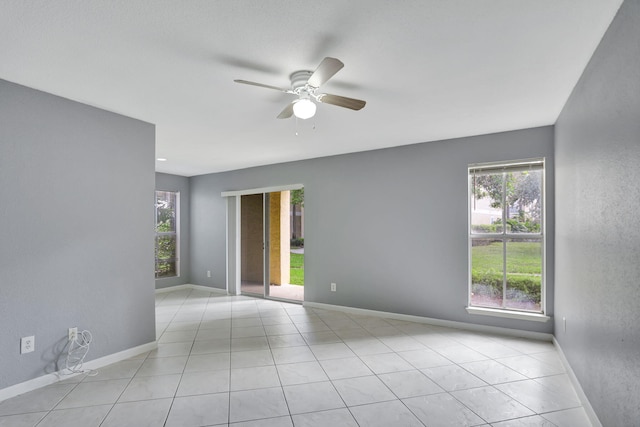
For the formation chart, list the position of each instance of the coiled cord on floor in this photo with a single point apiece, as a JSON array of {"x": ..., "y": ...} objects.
[{"x": 78, "y": 349}]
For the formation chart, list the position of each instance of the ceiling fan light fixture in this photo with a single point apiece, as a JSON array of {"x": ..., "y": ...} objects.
[{"x": 304, "y": 108}]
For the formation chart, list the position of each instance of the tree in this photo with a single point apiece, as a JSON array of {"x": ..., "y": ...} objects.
[
  {"x": 166, "y": 238},
  {"x": 526, "y": 193},
  {"x": 522, "y": 195},
  {"x": 297, "y": 199},
  {"x": 488, "y": 185}
]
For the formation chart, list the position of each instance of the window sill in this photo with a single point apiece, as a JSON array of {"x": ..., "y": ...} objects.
[{"x": 534, "y": 317}]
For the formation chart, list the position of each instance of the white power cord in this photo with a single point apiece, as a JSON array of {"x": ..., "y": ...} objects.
[{"x": 78, "y": 349}]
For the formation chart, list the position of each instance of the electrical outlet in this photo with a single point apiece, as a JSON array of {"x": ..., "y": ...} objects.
[
  {"x": 208, "y": 273},
  {"x": 27, "y": 344},
  {"x": 333, "y": 287},
  {"x": 73, "y": 334}
]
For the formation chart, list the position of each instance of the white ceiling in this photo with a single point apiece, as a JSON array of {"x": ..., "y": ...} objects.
[{"x": 428, "y": 69}]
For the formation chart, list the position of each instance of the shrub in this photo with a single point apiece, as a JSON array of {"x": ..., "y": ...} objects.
[
  {"x": 487, "y": 228},
  {"x": 514, "y": 226},
  {"x": 297, "y": 243},
  {"x": 519, "y": 286}
]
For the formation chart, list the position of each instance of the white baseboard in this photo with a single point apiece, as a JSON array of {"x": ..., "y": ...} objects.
[
  {"x": 578, "y": 388},
  {"x": 54, "y": 377},
  {"x": 407, "y": 317},
  {"x": 436, "y": 322},
  {"x": 192, "y": 287}
]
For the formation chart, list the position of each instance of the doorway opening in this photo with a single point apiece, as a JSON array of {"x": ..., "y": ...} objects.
[{"x": 268, "y": 225}]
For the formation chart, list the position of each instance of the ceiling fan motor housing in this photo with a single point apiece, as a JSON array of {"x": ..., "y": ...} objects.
[{"x": 299, "y": 80}]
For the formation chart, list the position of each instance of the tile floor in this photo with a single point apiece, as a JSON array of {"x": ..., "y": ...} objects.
[{"x": 239, "y": 361}]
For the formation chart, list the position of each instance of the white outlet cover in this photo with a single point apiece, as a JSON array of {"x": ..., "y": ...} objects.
[{"x": 27, "y": 344}]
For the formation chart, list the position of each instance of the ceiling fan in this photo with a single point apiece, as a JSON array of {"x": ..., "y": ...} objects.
[{"x": 305, "y": 84}]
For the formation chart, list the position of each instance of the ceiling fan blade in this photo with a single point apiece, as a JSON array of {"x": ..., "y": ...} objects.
[
  {"x": 342, "y": 101},
  {"x": 287, "y": 112},
  {"x": 327, "y": 68},
  {"x": 246, "y": 82}
]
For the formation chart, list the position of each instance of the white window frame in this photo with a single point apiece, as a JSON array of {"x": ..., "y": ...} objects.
[
  {"x": 175, "y": 233},
  {"x": 509, "y": 166}
]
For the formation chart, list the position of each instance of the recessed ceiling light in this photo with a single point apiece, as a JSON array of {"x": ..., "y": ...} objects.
[{"x": 161, "y": 159}]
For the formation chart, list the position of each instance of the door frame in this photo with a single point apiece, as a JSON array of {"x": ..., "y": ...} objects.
[{"x": 233, "y": 233}]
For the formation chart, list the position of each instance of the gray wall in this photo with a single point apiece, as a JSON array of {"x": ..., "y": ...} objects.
[
  {"x": 388, "y": 226},
  {"x": 167, "y": 182},
  {"x": 598, "y": 235},
  {"x": 76, "y": 241}
]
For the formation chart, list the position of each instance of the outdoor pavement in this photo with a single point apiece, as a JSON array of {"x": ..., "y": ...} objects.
[{"x": 284, "y": 291}]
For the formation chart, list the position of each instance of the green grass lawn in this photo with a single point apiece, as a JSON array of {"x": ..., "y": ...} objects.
[
  {"x": 524, "y": 275},
  {"x": 522, "y": 257},
  {"x": 297, "y": 269}
]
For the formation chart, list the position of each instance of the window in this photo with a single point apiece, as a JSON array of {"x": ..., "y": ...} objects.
[
  {"x": 506, "y": 236},
  {"x": 167, "y": 234}
]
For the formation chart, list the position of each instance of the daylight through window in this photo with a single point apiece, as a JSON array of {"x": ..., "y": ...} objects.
[
  {"x": 167, "y": 234},
  {"x": 506, "y": 237}
]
